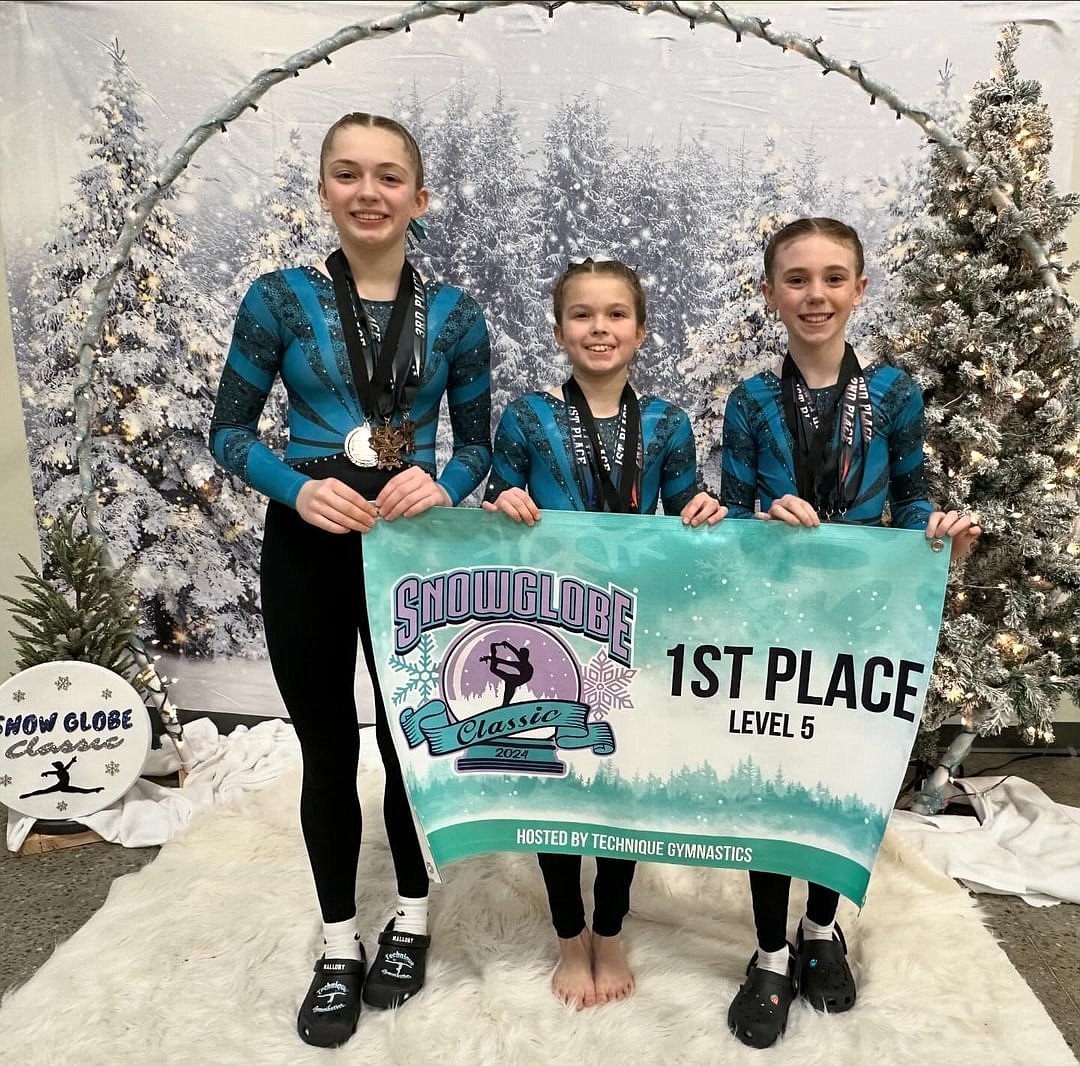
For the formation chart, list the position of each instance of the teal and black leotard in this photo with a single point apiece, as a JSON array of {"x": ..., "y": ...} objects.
[
  {"x": 312, "y": 581},
  {"x": 758, "y": 462},
  {"x": 288, "y": 324},
  {"x": 533, "y": 452}
]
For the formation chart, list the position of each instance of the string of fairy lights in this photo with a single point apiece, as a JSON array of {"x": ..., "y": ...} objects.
[{"x": 246, "y": 99}]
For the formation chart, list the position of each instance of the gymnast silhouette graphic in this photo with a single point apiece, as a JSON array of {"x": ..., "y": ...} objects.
[
  {"x": 513, "y": 672},
  {"x": 63, "y": 781}
]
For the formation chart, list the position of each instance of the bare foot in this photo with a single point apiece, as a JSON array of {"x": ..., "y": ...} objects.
[
  {"x": 610, "y": 970},
  {"x": 572, "y": 980}
]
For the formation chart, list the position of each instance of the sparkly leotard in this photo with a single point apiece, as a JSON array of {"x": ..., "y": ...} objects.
[
  {"x": 288, "y": 324},
  {"x": 533, "y": 450},
  {"x": 758, "y": 460}
]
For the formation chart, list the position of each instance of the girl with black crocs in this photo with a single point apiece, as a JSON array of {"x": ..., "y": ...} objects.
[
  {"x": 366, "y": 349},
  {"x": 821, "y": 437},
  {"x": 579, "y": 429}
]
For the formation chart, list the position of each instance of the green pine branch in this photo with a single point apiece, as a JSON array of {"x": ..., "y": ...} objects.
[{"x": 83, "y": 609}]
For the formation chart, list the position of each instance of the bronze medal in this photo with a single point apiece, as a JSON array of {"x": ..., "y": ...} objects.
[{"x": 388, "y": 443}]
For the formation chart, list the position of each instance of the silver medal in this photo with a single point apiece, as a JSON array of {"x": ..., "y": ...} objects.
[{"x": 358, "y": 449}]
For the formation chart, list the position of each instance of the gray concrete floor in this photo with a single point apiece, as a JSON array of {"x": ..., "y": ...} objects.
[{"x": 62, "y": 889}]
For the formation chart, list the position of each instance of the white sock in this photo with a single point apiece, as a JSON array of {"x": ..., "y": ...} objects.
[
  {"x": 341, "y": 940},
  {"x": 410, "y": 915},
  {"x": 773, "y": 961},
  {"x": 813, "y": 931}
]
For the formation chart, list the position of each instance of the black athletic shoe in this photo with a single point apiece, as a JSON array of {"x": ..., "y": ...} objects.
[
  {"x": 331, "y": 1008},
  {"x": 758, "y": 1013},
  {"x": 825, "y": 978},
  {"x": 397, "y": 971}
]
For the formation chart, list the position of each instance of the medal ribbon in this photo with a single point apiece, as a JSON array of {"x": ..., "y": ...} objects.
[
  {"x": 821, "y": 471},
  {"x": 591, "y": 458},
  {"x": 397, "y": 360}
]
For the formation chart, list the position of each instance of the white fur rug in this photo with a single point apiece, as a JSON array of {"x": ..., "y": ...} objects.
[{"x": 202, "y": 957}]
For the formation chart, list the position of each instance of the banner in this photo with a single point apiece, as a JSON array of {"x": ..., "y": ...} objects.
[{"x": 744, "y": 695}]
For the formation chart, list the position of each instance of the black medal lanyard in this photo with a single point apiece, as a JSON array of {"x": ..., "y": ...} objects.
[
  {"x": 589, "y": 454},
  {"x": 397, "y": 360},
  {"x": 820, "y": 471}
]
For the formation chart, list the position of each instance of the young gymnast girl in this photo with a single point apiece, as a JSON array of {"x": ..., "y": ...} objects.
[
  {"x": 366, "y": 349},
  {"x": 821, "y": 437},
  {"x": 561, "y": 449}
]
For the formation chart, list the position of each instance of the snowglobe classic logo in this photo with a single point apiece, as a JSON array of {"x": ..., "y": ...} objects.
[
  {"x": 73, "y": 738},
  {"x": 511, "y": 691}
]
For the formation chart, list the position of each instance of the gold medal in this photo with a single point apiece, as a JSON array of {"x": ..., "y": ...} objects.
[{"x": 358, "y": 449}]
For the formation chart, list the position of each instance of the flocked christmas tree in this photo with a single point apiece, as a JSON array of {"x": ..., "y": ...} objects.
[
  {"x": 161, "y": 494},
  {"x": 901, "y": 201},
  {"x": 991, "y": 343}
]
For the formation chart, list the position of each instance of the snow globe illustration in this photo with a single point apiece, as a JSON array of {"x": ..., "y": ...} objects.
[{"x": 518, "y": 683}]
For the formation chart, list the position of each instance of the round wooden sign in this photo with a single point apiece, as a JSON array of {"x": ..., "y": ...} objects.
[{"x": 73, "y": 738}]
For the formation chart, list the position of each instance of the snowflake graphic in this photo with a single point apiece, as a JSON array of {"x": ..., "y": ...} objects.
[
  {"x": 61, "y": 806},
  {"x": 5, "y": 780},
  {"x": 422, "y": 672},
  {"x": 63, "y": 683},
  {"x": 605, "y": 685},
  {"x": 112, "y": 769},
  {"x": 18, "y": 695},
  {"x": 106, "y": 693}
]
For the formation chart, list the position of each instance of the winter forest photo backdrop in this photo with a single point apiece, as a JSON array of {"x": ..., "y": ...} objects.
[{"x": 593, "y": 131}]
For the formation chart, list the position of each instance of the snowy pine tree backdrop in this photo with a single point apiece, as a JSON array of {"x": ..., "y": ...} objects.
[
  {"x": 994, "y": 350},
  {"x": 669, "y": 171},
  {"x": 165, "y": 504}
]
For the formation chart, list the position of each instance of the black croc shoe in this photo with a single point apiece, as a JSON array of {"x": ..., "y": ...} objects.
[
  {"x": 758, "y": 1013},
  {"x": 397, "y": 971},
  {"x": 825, "y": 978},
  {"x": 331, "y": 1008}
]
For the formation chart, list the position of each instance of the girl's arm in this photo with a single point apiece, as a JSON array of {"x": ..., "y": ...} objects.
[
  {"x": 680, "y": 487},
  {"x": 909, "y": 500},
  {"x": 739, "y": 458},
  {"x": 253, "y": 361},
  {"x": 468, "y": 394},
  {"x": 911, "y": 509},
  {"x": 507, "y": 487}
]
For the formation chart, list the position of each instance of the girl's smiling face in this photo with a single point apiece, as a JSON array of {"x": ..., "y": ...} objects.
[
  {"x": 598, "y": 326},
  {"x": 369, "y": 187},
  {"x": 814, "y": 286}
]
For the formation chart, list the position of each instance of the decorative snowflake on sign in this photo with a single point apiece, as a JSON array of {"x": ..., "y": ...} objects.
[
  {"x": 61, "y": 806},
  {"x": 605, "y": 685},
  {"x": 5, "y": 780},
  {"x": 422, "y": 672},
  {"x": 112, "y": 769},
  {"x": 18, "y": 695},
  {"x": 63, "y": 683},
  {"x": 106, "y": 693}
]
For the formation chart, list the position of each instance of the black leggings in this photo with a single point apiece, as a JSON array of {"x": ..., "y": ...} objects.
[
  {"x": 313, "y": 607},
  {"x": 611, "y": 893},
  {"x": 769, "y": 893}
]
